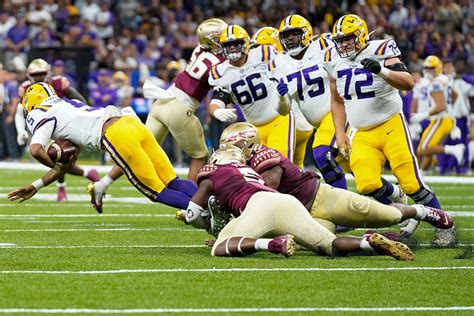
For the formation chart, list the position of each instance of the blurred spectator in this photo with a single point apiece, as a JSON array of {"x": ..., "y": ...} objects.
[
  {"x": 58, "y": 69},
  {"x": 6, "y": 23},
  {"x": 8, "y": 146},
  {"x": 104, "y": 21},
  {"x": 89, "y": 10},
  {"x": 17, "y": 39},
  {"x": 103, "y": 94},
  {"x": 399, "y": 14},
  {"x": 121, "y": 83}
]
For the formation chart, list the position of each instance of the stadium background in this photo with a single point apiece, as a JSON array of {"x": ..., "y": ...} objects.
[{"x": 90, "y": 41}]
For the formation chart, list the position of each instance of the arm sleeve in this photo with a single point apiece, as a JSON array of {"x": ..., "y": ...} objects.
[{"x": 43, "y": 131}]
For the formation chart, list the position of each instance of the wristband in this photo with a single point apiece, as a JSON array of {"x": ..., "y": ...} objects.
[
  {"x": 38, "y": 184},
  {"x": 384, "y": 72}
]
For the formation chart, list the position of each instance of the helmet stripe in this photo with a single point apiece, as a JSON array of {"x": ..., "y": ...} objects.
[
  {"x": 45, "y": 87},
  {"x": 287, "y": 20},
  {"x": 230, "y": 31},
  {"x": 339, "y": 24}
]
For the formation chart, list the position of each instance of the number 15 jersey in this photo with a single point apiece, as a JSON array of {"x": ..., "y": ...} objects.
[{"x": 369, "y": 99}]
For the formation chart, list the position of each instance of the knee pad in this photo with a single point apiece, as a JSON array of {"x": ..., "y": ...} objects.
[
  {"x": 423, "y": 196},
  {"x": 359, "y": 204},
  {"x": 325, "y": 160}
]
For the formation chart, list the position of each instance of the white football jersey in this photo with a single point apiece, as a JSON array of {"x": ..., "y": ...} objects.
[
  {"x": 249, "y": 85},
  {"x": 72, "y": 120},
  {"x": 464, "y": 90},
  {"x": 368, "y": 98},
  {"x": 307, "y": 80},
  {"x": 422, "y": 93}
]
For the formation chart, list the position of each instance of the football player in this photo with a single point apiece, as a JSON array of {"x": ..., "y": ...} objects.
[
  {"x": 330, "y": 206},
  {"x": 431, "y": 103},
  {"x": 39, "y": 71},
  {"x": 269, "y": 36},
  {"x": 261, "y": 212},
  {"x": 130, "y": 144},
  {"x": 365, "y": 77},
  {"x": 302, "y": 77},
  {"x": 174, "y": 110},
  {"x": 242, "y": 79},
  {"x": 176, "y": 113}
]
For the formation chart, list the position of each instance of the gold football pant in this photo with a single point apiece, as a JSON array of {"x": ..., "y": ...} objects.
[
  {"x": 270, "y": 214},
  {"x": 134, "y": 149},
  {"x": 372, "y": 148},
  {"x": 279, "y": 134}
]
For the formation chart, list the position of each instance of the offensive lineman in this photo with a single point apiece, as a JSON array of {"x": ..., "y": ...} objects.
[
  {"x": 365, "y": 77},
  {"x": 243, "y": 79}
]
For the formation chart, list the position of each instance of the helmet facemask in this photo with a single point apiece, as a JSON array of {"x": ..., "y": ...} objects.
[
  {"x": 291, "y": 41},
  {"x": 234, "y": 50},
  {"x": 347, "y": 46}
]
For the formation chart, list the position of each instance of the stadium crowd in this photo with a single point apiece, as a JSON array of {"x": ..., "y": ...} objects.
[{"x": 135, "y": 40}]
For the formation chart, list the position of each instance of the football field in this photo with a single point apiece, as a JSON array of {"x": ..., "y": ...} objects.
[{"x": 64, "y": 258}]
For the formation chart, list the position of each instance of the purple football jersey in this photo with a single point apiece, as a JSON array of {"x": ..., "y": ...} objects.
[
  {"x": 194, "y": 79},
  {"x": 294, "y": 181},
  {"x": 233, "y": 184}
]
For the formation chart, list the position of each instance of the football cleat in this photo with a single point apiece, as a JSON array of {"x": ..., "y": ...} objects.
[
  {"x": 283, "y": 244},
  {"x": 445, "y": 238},
  {"x": 408, "y": 227},
  {"x": 387, "y": 247},
  {"x": 93, "y": 175},
  {"x": 218, "y": 219},
  {"x": 438, "y": 218},
  {"x": 62, "y": 196},
  {"x": 96, "y": 196},
  {"x": 181, "y": 216}
]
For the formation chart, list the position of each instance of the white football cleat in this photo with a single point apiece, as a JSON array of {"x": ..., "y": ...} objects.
[
  {"x": 401, "y": 198},
  {"x": 96, "y": 195},
  {"x": 408, "y": 227}
]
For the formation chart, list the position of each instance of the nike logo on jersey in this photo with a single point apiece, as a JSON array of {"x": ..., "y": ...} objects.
[{"x": 390, "y": 132}]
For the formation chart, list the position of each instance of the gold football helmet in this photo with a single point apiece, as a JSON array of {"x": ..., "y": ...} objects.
[
  {"x": 227, "y": 154},
  {"x": 208, "y": 33},
  {"x": 243, "y": 135},
  {"x": 235, "y": 42},
  {"x": 36, "y": 94},
  {"x": 434, "y": 63},
  {"x": 350, "y": 35},
  {"x": 267, "y": 36},
  {"x": 38, "y": 69},
  {"x": 296, "y": 33}
]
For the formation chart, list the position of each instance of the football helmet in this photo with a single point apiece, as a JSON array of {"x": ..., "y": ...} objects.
[
  {"x": 243, "y": 135},
  {"x": 227, "y": 154},
  {"x": 434, "y": 63},
  {"x": 235, "y": 42},
  {"x": 350, "y": 35},
  {"x": 208, "y": 33},
  {"x": 36, "y": 94},
  {"x": 38, "y": 69},
  {"x": 296, "y": 33},
  {"x": 267, "y": 35}
]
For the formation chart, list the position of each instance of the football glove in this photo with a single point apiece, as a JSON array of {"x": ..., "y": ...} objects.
[
  {"x": 226, "y": 115},
  {"x": 282, "y": 88},
  {"x": 22, "y": 137},
  {"x": 371, "y": 65}
]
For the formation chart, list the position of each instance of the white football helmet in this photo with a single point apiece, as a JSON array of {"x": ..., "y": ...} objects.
[{"x": 38, "y": 70}]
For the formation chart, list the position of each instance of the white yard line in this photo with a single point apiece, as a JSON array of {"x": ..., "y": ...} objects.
[
  {"x": 232, "y": 310},
  {"x": 213, "y": 270},
  {"x": 61, "y": 230},
  {"x": 36, "y": 166},
  {"x": 15, "y": 246}
]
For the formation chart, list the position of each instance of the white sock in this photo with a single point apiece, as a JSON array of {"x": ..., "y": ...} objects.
[
  {"x": 86, "y": 171},
  {"x": 61, "y": 184},
  {"x": 262, "y": 243},
  {"x": 420, "y": 211},
  {"x": 105, "y": 182},
  {"x": 395, "y": 194},
  {"x": 449, "y": 149},
  {"x": 364, "y": 244}
]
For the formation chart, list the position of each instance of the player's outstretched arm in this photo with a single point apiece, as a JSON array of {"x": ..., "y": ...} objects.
[
  {"x": 272, "y": 177},
  {"x": 27, "y": 191},
  {"x": 196, "y": 215}
]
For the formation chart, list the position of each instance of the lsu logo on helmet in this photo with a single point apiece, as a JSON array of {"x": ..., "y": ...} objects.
[
  {"x": 433, "y": 62},
  {"x": 350, "y": 35},
  {"x": 36, "y": 94}
]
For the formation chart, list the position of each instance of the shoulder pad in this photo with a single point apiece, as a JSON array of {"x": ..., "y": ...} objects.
[
  {"x": 266, "y": 53},
  {"x": 325, "y": 41},
  {"x": 329, "y": 54},
  {"x": 265, "y": 159},
  {"x": 216, "y": 72},
  {"x": 205, "y": 172},
  {"x": 387, "y": 48}
]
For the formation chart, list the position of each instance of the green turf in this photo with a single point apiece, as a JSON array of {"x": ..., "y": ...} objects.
[{"x": 169, "y": 268}]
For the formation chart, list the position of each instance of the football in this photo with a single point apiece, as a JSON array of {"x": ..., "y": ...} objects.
[{"x": 61, "y": 150}]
